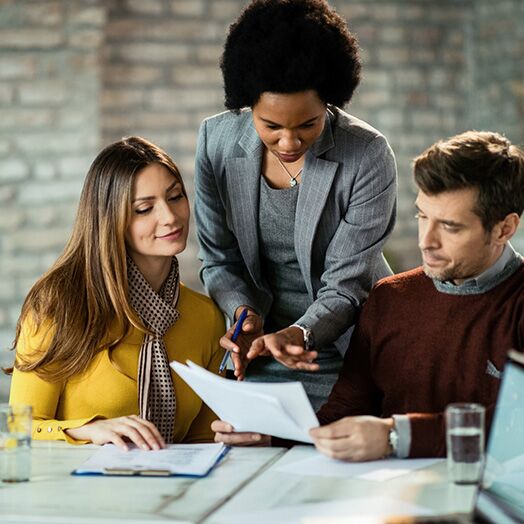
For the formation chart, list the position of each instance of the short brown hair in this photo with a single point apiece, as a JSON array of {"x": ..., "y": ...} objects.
[{"x": 479, "y": 159}]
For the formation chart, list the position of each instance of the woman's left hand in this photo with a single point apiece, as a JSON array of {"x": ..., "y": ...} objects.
[
  {"x": 132, "y": 428},
  {"x": 287, "y": 347}
]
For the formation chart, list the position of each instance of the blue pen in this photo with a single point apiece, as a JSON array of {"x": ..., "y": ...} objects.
[{"x": 237, "y": 331}]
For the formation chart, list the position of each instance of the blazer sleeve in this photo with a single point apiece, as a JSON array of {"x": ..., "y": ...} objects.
[
  {"x": 223, "y": 268},
  {"x": 353, "y": 260},
  {"x": 44, "y": 396}
]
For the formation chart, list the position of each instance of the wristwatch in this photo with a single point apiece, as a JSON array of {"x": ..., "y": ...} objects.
[
  {"x": 309, "y": 341},
  {"x": 393, "y": 441}
]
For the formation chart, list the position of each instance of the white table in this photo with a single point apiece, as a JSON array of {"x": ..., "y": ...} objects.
[
  {"x": 268, "y": 495},
  {"x": 248, "y": 486},
  {"x": 54, "y": 496}
]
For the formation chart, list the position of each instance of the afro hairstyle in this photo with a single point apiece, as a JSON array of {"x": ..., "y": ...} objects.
[{"x": 287, "y": 46}]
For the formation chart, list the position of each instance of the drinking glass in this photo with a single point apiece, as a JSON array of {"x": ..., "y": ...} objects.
[
  {"x": 15, "y": 442},
  {"x": 465, "y": 442}
]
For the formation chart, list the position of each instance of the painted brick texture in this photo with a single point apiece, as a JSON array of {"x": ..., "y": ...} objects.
[{"x": 78, "y": 74}]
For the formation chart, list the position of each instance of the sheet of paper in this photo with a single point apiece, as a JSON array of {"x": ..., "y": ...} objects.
[
  {"x": 279, "y": 409},
  {"x": 378, "y": 470},
  {"x": 357, "y": 510},
  {"x": 179, "y": 459}
]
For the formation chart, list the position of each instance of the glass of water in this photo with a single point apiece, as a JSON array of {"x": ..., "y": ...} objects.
[
  {"x": 465, "y": 442},
  {"x": 15, "y": 442}
]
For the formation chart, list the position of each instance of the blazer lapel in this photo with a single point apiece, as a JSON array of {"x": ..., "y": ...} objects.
[
  {"x": 243, "y": 184},
  {"x": 317, "y": 179}
]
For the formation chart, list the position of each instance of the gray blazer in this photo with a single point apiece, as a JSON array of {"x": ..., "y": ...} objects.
[{"x": 345, "y": 212}]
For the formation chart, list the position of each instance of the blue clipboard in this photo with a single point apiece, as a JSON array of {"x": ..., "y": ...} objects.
[{"x": 146, "y": 472}]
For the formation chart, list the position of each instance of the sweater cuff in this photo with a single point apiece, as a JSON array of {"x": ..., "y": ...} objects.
[
  {"x": 428, "y": 435},
  {"x": 403, "y": 427},
  {"x": 46, "y": 429},
  {"x": 277, "y": 442}
]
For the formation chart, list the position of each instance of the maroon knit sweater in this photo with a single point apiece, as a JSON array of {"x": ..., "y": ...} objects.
[{"x": 416, "y": 349}]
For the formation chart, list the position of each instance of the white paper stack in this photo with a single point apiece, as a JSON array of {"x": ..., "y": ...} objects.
[{"x": 279, "y": 409}]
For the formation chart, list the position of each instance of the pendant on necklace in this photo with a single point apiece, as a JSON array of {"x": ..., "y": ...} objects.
[{"x": 292, "y": 182}]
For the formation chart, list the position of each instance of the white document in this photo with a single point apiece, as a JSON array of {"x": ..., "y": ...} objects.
[
  {"x": 176, "y": 459},
  {"x": 378, "y": 470},
  {"x": 279, "y": 409}
]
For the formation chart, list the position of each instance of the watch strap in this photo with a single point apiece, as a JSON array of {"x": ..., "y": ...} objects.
[{"x": 309, "y": 342}]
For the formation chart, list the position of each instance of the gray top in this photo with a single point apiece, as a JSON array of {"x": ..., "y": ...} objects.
[
  {"x": 282, "y": 274},
  {"x": 276, "y": 229}
]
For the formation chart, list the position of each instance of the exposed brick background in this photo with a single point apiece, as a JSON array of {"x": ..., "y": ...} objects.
[{"x": 78, "y": 74}]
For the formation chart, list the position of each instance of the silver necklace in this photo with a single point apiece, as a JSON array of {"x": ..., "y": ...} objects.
[{"x": 292, "y": 179}]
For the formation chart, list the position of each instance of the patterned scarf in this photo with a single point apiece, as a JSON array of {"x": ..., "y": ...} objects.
[{"x": 156, "y": 394}]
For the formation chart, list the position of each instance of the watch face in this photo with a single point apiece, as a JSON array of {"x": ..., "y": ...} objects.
[
  {"x": 393, "y": 439},
  {"x": 307, "y": 339}
]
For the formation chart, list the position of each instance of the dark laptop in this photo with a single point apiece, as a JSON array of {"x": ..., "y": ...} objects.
[{"x": 500, "y": 497}]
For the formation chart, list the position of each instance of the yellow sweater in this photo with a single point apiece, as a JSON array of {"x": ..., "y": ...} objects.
[{"x": 108, "y": 387}]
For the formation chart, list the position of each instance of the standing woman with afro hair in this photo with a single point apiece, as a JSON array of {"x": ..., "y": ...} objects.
[{"x": 294, "y": 197}]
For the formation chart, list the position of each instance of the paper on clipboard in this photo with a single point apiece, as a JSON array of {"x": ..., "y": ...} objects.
[
  {"x": 279, "y": 409},
  {"x": 192, "y": 460}
]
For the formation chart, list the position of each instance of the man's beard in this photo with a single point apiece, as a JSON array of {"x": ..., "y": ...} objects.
[
  {"x": 454, "y": 273},
  {"x": 444, "y": 275}
]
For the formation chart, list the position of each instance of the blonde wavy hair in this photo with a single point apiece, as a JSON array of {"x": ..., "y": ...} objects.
[{"x": 85, "y": 292}]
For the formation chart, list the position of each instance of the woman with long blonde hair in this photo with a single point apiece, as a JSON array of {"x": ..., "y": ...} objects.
[{"x": 97, "y": 331}]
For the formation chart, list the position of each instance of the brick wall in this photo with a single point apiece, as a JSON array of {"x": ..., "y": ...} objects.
[
  {"x": 496, "y": 61},
  {"x": 495, "y": 65},
  {"x": 413, "y": 88},
  {"x": 161, "y": 78},
  {"x": 78, "y": 74},
  {"x": 49, "y": 131}
]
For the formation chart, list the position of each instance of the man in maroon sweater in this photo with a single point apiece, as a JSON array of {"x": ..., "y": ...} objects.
[{"x": 437, "y": 334}]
